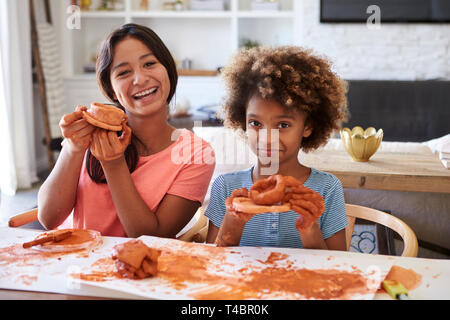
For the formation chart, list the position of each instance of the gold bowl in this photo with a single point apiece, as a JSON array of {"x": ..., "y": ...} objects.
[{"x": 361, "y": 144}]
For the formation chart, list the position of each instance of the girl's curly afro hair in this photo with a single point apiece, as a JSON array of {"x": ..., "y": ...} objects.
[{"x": 293, "y": 77}]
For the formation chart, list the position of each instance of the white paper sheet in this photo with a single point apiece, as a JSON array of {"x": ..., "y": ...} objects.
[
  {"x": 20, "y": 271},
  {"x": 239, "y": 263}
]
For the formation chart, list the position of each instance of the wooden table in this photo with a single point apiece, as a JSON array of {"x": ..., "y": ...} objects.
[
  {"x": 435, "y": 273},
  {"x": 6, "y": 294},
  {"x": 384, "y": 171}
]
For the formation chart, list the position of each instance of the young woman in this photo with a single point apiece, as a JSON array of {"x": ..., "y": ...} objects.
[{"x": 136, "y": 183}]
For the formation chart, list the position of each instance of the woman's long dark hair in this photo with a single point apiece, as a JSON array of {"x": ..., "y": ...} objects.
[{"x": 103, "y": 69}]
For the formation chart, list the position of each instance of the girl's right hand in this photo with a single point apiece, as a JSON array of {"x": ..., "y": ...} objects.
[
  {"x": 76, "y": 131},
  {"x": 233, "y": 223},
  {"x": 241, "y": 192}
]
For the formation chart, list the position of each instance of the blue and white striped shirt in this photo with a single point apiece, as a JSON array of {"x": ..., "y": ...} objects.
[{"x": 278, "y": 229}]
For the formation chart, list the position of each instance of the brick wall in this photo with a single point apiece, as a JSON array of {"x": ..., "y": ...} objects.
[{"x": 393, "y": 52}]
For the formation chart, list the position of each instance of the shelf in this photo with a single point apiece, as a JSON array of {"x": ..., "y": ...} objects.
[
  {"x": 103, "y": 14},
  {"x": 201, "y": 73},
  {"x": 265, "y": 14},
  {"x": 181, "y": 14},
  {"x": 187, "y": 14},
  {"x": 207, "y": 38}
]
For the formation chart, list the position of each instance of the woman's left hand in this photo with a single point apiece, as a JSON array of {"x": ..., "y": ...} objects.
[{"x": 107, "y": 146}]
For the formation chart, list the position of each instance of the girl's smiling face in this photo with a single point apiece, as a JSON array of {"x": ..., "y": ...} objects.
[
  {"x": 289, "y": 127},
  {"x": 140, "y": 82}
]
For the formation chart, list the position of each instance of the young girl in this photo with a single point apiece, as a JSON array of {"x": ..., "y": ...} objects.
[
  {"x": 285, "y": 100},
  {"x": 138, "y": 183}
]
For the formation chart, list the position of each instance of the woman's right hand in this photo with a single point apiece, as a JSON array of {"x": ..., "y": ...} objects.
[{"x": 77, "y": 132}]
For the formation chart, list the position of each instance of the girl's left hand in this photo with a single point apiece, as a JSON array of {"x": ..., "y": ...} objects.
[{"x": 107, "y": 146}]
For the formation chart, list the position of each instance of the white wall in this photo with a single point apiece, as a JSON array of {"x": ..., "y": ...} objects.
[{"x": 394, "y": 52}]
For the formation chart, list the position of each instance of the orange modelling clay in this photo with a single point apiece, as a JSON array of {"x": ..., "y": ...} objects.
[
  {"x": 16, "y": 256},
  {"x": 181, "y": 267},
  {"x": 79, "y": 239},
  {"x": 276, "y": 193},
  {"x": 105, "y": 116},
  {"x": 177, "y": 268},
  {"x": 134, "y": 260},
  {"x": 407, "y": 277},
  {"x": 78, "y": 236}
]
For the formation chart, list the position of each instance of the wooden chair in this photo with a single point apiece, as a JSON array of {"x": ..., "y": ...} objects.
[
  {"x": 410, "y": 248},
  {"x": 197, "y": 233}
]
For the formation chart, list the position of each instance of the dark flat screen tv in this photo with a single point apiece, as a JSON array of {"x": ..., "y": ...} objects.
[{"x": 392, "y": 11}]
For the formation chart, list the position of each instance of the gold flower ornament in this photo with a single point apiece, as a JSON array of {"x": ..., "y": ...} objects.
[{"x": 361, "y": 144}]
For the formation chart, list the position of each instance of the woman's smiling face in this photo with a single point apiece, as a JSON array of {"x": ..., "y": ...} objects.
[{"x": 140, "y": 82}]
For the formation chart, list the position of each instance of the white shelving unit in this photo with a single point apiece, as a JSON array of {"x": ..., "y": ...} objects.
[{"x": 207, "y": 38}]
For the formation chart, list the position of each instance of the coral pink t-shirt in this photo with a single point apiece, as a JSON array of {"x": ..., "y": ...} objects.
[{"x": 183, "y": 169}]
